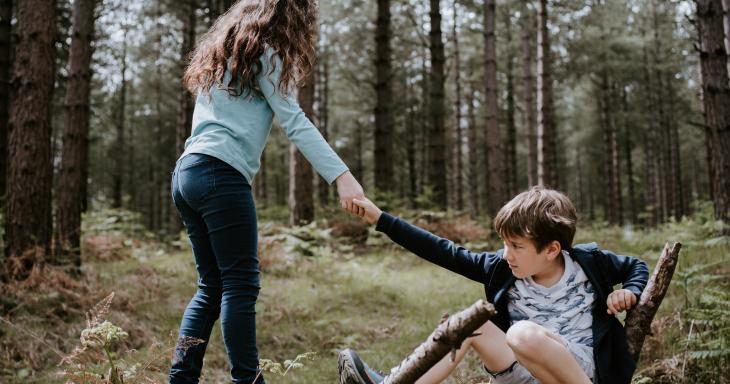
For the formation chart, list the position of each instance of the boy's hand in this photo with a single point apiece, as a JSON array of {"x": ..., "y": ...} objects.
[
  {"x": 370, "y": 212},
  {"x": 620, "y": 300}
]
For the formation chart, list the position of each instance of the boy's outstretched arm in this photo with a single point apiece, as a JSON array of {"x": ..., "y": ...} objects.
[{"x": 437, "y": 250}]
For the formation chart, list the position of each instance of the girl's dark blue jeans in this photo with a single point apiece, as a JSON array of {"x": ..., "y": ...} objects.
[{"x": 216, "y": 205}]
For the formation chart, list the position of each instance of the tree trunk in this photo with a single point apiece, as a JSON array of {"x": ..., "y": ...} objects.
[
  {"x": 411, "y": 155},
  {"x": 74, "y": 159},
  {"x": 579, "y": 181},
  {"x": 437, "y": 135},
  {"x": 546, "y": 159},
  {"x": 511, "y": 152},
  {"x": 528, "y": 82},
  {"x": 6, "y": 13},
  {"x": 458, "y": 168},
  {"x": 323, "y": 188},
  {"x": 119, "y": 168},
  {"x": 301, "y": 193},
  {"x": 726, "y": 22},
  {"x": 650, "y": 192},
  {"x": 28, "y": 227},
  {"x": 447, "y": 337},
  {"x": 629, "y": 163},
  {"x": 473, "y": 179},
  {"x": 185, "y": 100},
  {"x": 604, "y": 99},
  {"x": 716, "y": 92},
  {"x": 383, "y": 150},
  {"x": 495, "y": 161},
  {"x": 675, "y": 158},
  {"x": 662, "y": 168},
  {"x": 638, "y": 320}
]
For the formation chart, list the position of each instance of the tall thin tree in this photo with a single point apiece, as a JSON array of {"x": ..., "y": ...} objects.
[
  {"x": 726, "y": 22},
  {"x": 185, "y": 101},
  {"x": 457, "y": 111},
  {"x": 6, "y": 13},
  {"x": 323, "y": 76},
  {"x": 301, "y": 188},
  {"x": 528, "y": 28},
  {"x": 546, "y": 140},
  {"x": 437, "y": 136},
  {"x": 383, "y": 150},
  {"x": 510, "y": 153},
  {"x": 716, "y": 98},
  {"x": 28, "y": 228},
  {"x": 119, "y": 163},
  {"x": 495, "y": 148},
  {"x": 75, "y": 153}
]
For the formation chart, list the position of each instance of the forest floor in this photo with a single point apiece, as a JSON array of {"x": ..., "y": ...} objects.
[{"x": 322, "y": 293}]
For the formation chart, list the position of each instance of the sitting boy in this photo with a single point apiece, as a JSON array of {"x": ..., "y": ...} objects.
[{"x": 555, "y": 302}]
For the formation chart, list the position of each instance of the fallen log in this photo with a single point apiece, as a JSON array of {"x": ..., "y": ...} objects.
[
  {"x": 447, "y": 337},
  {"x": 638, "y": 320}
]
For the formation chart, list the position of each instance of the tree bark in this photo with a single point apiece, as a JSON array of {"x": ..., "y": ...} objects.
[
  {"x": 650, "y": 192},
  {"x": 74, "y": 159},
  {"x": 383, "y": 150},
  {"x": 628, "y": 149},
  {"x": 511, "y": 150},
  {"x": 323, "y": 189},
  {"x": 185, "y": 100},
  {"x": 28, "y": 227},
  {"x": 638, "y": 320},
  {"x": 495, "y": 160},
  {"x": 678, "y": 206},
  {"x": 458, "y": 166},
  {"x": 716, "y": 99},
  {"x": 437, "y": 135},
  {"x": 6, "y": 14},
  {"x": 546, "y": 151},
  {"x": 119, "y": 168},
  {"x": 447, "y": 337},
  {"x": 301, "y": 188},
  {"x": 528, "y": 28},
  {"x": 473, "y": 179},
  {"x": 726, "y": 22}
]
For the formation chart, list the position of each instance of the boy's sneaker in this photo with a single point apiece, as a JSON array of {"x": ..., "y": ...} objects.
[{"x": 354, "y": 371}]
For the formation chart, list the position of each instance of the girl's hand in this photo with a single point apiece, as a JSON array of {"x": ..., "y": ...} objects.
[
  {"x": 348, "y": 188},
  {"x": 620, "y": 300},
  {"x": 371, "y": 213}
]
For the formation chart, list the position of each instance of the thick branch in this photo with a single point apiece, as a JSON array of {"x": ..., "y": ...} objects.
[
  {"x": 638, "y": 321},
  {"x": 448, "y": 336}
]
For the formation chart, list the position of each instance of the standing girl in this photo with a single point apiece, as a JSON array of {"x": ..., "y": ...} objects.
[{"x": 244, "y": 70}]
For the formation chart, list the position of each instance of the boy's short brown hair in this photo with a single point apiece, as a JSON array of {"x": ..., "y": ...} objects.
[{"x": 539, "y": 214}]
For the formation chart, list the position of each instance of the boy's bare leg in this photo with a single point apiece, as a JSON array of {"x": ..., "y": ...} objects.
[
  {"x": 491, "y": 345},
  {"x": 531, "y": 345}
]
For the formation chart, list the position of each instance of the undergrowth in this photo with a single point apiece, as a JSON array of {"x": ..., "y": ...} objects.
[{"x": 326, "y": 286}]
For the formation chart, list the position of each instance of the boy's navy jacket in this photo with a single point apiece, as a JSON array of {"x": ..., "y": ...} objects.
[{"x": 604, "y": 269}]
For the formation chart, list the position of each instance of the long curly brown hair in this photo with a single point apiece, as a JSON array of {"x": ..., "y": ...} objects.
[{"x": 243, "y": 33}]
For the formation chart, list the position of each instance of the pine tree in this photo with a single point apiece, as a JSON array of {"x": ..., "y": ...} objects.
[
  {"x": 74, "y": 161},
  {"x": 28, "y": 228}
]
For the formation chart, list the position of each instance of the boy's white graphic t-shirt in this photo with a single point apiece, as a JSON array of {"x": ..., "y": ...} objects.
[{"x": 565, "y": 309}]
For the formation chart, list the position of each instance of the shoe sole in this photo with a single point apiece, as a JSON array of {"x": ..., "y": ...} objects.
[{"x": 348, "y": 370}]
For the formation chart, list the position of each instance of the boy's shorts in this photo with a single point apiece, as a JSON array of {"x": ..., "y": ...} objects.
[{"x": 518, "y": 374}]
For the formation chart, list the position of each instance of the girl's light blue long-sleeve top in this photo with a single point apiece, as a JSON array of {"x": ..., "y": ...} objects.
[{"x": 235, "y": 129}]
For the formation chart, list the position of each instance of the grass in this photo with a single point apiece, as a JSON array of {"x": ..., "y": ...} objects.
[{"x": 375, "y": 298}]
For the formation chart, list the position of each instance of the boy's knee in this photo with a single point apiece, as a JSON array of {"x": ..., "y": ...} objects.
[{"x": 526, "y": 337}]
